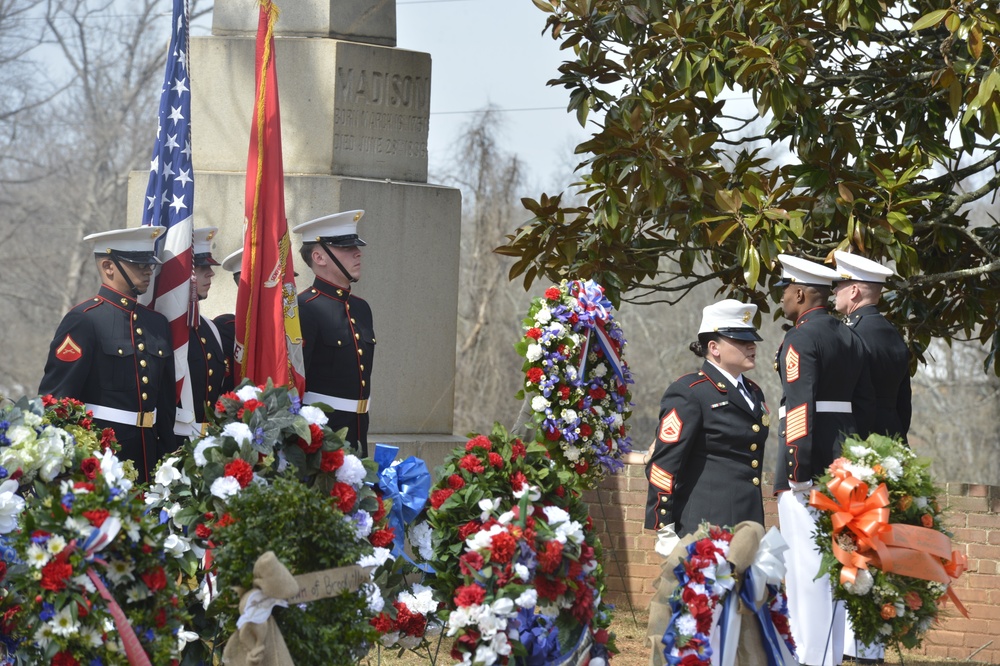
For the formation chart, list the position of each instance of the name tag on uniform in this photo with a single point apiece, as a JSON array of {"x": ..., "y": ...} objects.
[{"x": 720, "y": 404}]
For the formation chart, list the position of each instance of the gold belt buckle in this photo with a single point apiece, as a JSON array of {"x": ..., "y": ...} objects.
[
  {"x": 144, "y": 420},
  {"x": 363, "y": 406}
]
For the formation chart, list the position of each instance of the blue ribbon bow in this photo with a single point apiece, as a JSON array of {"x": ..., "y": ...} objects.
[{"x": 407, "y": 485}]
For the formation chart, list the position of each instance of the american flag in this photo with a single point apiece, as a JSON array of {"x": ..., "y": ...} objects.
[{"x": 169, "y": 203}]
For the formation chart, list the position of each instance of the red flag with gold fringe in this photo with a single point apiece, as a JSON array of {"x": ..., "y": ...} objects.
[{"x": 268, "y": 334}]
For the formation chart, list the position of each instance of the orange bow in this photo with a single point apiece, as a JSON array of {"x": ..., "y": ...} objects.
[{"x": 866, "y": 516}]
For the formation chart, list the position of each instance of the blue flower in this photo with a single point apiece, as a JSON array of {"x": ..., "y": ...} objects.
[
  {"x": 48, "y": 612},
  {"x": 68, "y": 499},
  {"x": 3, "y": 470}
]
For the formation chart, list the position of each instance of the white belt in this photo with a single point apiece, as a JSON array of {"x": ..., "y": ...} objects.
[
  {"x": 137, "y": 419},
  {"x": 340, "y": 404},
  {"x": 190, "y": 429},
  {"x": 828, "y": 406}
]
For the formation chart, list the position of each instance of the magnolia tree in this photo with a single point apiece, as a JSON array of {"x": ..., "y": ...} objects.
[{"x": 887, "y": 115}]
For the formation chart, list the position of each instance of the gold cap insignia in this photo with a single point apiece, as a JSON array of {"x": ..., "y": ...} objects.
[
  {"x": 156, "y": 232},
  {"x": 746, "y": 316},
  {"x": 357, "y": 216}
]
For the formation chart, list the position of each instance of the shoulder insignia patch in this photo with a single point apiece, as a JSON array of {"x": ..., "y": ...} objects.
[
  {"x": 661, "y": 478},
  {"x": 796, "y": 424},
  {"x": 791, "y": 365},
  {"x": 69, "y": 351},
  {"x": 670, "y": 428}
]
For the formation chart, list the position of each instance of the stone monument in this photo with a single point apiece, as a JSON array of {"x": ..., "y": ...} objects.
[{"x": 354, "y": 123}]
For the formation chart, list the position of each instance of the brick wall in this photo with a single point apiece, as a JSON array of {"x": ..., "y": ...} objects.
[{"x": 631, "y": 564}]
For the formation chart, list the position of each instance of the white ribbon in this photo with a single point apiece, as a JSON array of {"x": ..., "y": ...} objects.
[{"x": 258, "y": 608}]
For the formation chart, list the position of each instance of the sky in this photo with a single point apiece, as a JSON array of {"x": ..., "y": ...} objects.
[{"x": 487, "y": 52}]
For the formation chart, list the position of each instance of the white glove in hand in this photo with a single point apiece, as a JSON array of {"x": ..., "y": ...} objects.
[
  {"x": 666, "y": 539},
  {"x": 801, "y": 490}
]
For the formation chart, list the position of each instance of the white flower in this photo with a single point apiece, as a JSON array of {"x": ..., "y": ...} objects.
[
  {"x": 225, "y": 487},
  {"x": 920, "y": 502},
  {"x": 248, "y": 392},
  {"x": 572, "y": 453},
  {"x": 11, "y": 505},
  {"x": 862, "y": 584},
  {"x": 534, "y": 352},
  {"x": 37, "y": 556},
  {"x": 598, "y": 661},
  {"x": 600, "y": 370},
  {"x": 421, "y": 600},
  {"x": 238, "y": 431},
  {"x": 113, "y": 471},
  {"x": 374, "y": 596},
  {"x": 176, "y": 545},
  {"x": 63, "y": 624},
  {"x": 84, "y": 582},
  {"x": 92, "y": 637},
  {"x": 893, "y": 468},
  {"x": 539, "y": 403},
  {"x": 571, "y": 531},
  {"x": 55, "y": 544},
  {"x": 686, "y": 625},
  {"x": 488, "y": 506},
  {"x": 167, "y": 473},
  {"x": 362, "y": 523},
  {"x": 421, "y": 541},
  {"x": 119, "y": 571},
  {"x": 376, "y": 559},
  {"x": 314, "y": 415},
  {"x": 528, "y": 598},
  {"x": 860, "y": 471},
  {"x": 503, "y": 606},
  {"x": 208, "y": 590},
  {"x": 203, "y": 445},
  {"x": 352, "y": 472},
  {"x": 184, "y": 637},
  {"x": 543, "y": 316},
  {"x": 523, "y": 573},
  {"x": 556, "y": 329},
  {"x": 554, "y": 515}
]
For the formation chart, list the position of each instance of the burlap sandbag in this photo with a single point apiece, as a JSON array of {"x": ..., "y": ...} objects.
[
  {"x": 742, "y": 551},
  {"x": 261, "y": 644}
]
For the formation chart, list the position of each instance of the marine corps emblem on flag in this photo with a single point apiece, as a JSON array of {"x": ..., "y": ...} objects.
[
  {"x": 69, "y": 351},
  {"x": 670, "y": 428},
  {"x": 791, "y": 365}
]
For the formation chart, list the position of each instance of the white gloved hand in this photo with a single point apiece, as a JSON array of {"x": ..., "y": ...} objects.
[{"x": 666, "y": 540}]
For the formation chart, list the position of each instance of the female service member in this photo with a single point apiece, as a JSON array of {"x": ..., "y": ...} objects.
[{"x": 705, "y": 464}]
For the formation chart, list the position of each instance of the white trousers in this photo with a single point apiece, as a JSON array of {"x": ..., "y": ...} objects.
[
  {"x": 854, "y": 648},
  {"x": 817, "y": 624}
]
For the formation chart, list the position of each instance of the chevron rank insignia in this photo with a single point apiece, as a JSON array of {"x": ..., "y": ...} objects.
[
  {"x": 791, "y": 365},
  {"x": 69, "y": 351},
  {"x": 661, "y": 478},
  {"x": 796, "y": 424},
  {"x": 670, "y": 428}
]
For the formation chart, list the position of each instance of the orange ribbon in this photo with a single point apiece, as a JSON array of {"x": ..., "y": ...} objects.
[
  {"x": 866, "y": 516},
  {"x": 905, "y": 550}
]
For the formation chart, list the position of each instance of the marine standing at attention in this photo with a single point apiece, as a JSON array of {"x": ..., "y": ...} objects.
[
  {"x": 337, "y": 330},
  {"x": 116, "y": 355}
]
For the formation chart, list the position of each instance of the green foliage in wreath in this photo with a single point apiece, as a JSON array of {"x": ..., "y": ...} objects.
[{"x": 307, "y": 534}]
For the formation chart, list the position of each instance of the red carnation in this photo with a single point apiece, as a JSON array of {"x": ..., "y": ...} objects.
[
  {"x": 48, "y": 400},
  {"x": 518, "y": 450},
  {"x": 224, "y": 520},
  {"x": 440, "y": 496},
  {"x": 155, "y": 579},
  {"x": 496, "y": 460},
  {"x": 345, "y": 496},
  {"x": 470, "y": 462},
  {"x": 480, "y": 442},
  {"x": 55, "y": 574},
  {"x": 108, "y": 439},
  {"x": 582, "y": 467},
  {"x": 202, "y": 531},
  {"x": 552, "y": 435},
  {"x": 455, "y": 482},
  {"x": 518, "y": 480},
  {"x": 90, "y": 467},
  {"x": 8, "y": 620},
  {"x": 550, "y": 556},
  {"x": 383, "y": 538},
  {"x": 465, "y": 643},
  {"x": 83, "y": 485},
  {"x": 64, "y": 658},
  {"x": 250, "y": 406},
  {"x": 535, "y": 375},
  {"x": 471, "y": 562},
  {"x": 161, "y": 618},
  {"x": 502, "y": 547},
  {"x": 380, "y": 513},
  {"x": 564, "y": 392},
  {"x": 410, "y": 623},
  {"x": 552, "y": 293},
  {"x": 601, "y": 636},
  {"x": 468, "y": 529},
  {"x": 597, "y": 393},
  {"x": 534, "y": 333},
  {"x": 469, "y": 595},
  {"x": 96, "y": 516},
  {"x": 586, "y": 430},
  {"x": 331, "y": 461},
  {"x": 316, "y": 439},
  {"x": 549, "y": 589},
  {"x": 240, "y": 470},
  {"x": 382, "y": 623},
  {"x": 583, "y": 604}
]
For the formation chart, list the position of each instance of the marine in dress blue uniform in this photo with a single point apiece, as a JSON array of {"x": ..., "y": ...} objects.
[
  {"x": 857, "y": 295},
  {"x": 706, "y": 462},
  {"x": 338, "y": 332},
  {"x": 206, "y": 356},
  {"x": 116, "y": 355},
  {"x": 824, "y": 380}
]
